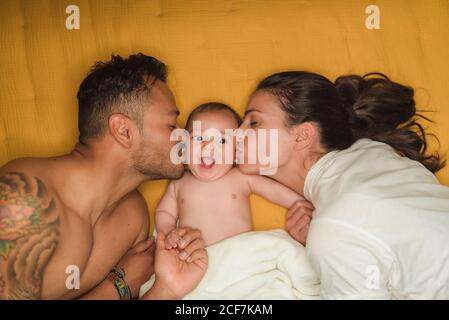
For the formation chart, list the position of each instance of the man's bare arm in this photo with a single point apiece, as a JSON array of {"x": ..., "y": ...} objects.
[
  {"x": 29, "y": 234},
  {"x": 138, "y": 265},
  {"x": 138, "y": 261},
  {"x": 104, "y": 291}
]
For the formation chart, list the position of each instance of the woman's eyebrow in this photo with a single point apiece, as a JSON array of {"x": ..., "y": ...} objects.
[{"x": 249, "y": 111}]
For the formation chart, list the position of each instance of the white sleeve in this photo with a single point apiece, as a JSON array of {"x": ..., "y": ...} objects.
[{"x": 351, "y": 263}]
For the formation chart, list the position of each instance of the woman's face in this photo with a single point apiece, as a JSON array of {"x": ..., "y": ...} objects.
[{"x": 264, "y": 112}]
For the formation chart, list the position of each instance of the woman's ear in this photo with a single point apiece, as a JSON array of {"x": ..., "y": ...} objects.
[
  {"x": 305, "y": 135},
  {"x": 121, "y": 129}
]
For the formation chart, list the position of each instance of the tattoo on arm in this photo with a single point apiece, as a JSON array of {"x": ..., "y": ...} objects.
[{"x": 29, "y": 234}]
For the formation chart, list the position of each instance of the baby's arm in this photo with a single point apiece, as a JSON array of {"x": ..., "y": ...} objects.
[
  {"x": 166, "y": 214},
  {"x": 273, "y": 190},
  {"x": 300, "y": 210}
]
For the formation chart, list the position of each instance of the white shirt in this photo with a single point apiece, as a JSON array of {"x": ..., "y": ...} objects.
[{"x": 381, "y": 226}]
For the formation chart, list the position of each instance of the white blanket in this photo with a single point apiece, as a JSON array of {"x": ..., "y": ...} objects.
[{"x": 256, "y": 265}]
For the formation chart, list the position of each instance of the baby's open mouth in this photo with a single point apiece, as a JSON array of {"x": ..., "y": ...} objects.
[{"x": 207, "y": 162}]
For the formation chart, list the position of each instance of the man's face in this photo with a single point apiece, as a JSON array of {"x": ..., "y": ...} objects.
[{"x": 152, "y": 156}]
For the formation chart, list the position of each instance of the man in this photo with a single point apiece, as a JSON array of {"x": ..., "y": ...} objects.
[{"x": 82, "y": 212}]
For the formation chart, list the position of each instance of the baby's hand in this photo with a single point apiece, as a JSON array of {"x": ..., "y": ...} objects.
[
  {"x": 185, "y": 241},
  {"x": 298, "y": 220},
  {"x": 172, "y": 239}
]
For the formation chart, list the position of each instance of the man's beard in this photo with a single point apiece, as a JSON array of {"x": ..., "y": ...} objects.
[{"x": 154, "y": 163}]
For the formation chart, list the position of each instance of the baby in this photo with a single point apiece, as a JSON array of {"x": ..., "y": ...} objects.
[{"x": 213, "y": 196}]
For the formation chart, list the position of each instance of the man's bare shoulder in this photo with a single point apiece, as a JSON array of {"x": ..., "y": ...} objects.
[
  {"x": 132, "y": 209},
  {"x": 25, "y": 177},
  {"x": 134, "y": 202},
  {"x": 32, "y": 166},
  {"x": 29, "y": 227}
]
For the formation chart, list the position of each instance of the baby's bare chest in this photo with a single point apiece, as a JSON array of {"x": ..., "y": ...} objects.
[{"x": 212, "y": 201}]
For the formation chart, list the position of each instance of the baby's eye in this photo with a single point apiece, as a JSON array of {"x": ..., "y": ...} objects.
[
  {"x": 197, "y": 138},
  {"x": 222, "y": 141}
]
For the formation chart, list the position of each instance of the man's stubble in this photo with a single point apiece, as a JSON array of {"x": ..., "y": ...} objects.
[{"x": 153, "y": 161}]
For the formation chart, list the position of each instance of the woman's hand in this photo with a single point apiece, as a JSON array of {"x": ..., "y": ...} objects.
[
  {"x": 177, "y": 274},
  {"x": 298, "y": 220}
]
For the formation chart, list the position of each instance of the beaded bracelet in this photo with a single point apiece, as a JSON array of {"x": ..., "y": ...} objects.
[
  {"x": 117, "y": 277},
  {"x": 119, "y": 272}
]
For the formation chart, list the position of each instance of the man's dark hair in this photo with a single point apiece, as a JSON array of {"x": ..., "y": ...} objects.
[{"x": 116, "y": 86}]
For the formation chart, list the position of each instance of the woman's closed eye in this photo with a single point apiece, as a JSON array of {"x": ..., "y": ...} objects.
[{"x": 253, "y": 123}]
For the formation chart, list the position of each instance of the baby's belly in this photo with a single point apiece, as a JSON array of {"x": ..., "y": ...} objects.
[{"x": 216, "y": 225}]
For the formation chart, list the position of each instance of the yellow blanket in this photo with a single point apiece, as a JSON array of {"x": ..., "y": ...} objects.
[{"x": 216, "y": 50}]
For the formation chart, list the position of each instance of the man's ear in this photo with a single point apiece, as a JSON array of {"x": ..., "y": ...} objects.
[
  {"x": 121, "y": 128},
  {"x": 304, "y": 135}
]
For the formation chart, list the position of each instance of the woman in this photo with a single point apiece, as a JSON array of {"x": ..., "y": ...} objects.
[{"x": 381, "y": 220}]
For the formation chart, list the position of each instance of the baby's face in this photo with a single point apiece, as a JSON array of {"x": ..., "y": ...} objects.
[{"x": 212, "y": 151}]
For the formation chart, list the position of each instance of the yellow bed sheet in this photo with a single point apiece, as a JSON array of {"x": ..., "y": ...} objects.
[{"x": 216, "y": 50}]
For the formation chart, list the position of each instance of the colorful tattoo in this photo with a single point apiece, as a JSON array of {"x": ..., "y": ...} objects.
[{"x": 29, "y": 234}]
